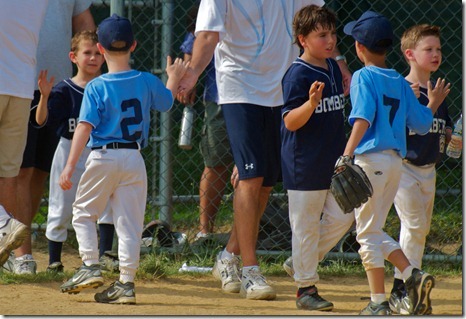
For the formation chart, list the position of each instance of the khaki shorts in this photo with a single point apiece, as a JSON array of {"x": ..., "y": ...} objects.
[
  {"x": 214, "y": 145},
  {"x": 14, "y": 117}
]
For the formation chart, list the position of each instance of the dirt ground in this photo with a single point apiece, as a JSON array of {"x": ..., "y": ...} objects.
[{"x": 202, "y": 296}]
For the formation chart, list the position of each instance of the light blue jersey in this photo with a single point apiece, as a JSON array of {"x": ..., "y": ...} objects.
[
  {"x": 383, "y": 98},
  {"x": 118, "y": 106}
]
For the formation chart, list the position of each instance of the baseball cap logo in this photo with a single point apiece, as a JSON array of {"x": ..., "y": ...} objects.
[{"x": 115, "y": 33}]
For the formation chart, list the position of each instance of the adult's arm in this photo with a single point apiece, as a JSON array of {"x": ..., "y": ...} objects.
[
  {"x": 203, "y": 50},
  {"x": 83, "y": 21}
]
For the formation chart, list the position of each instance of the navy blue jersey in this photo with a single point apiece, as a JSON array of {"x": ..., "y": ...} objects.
[
  {"x": 63, "y": 106},
  {"x": 309, "y": 154},
  {"x": 429, "y": 148}
]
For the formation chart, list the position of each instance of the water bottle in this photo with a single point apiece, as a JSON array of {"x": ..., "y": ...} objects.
[
  {"x": 452, "y": 150},
  {"x": 186, "y": 131}
]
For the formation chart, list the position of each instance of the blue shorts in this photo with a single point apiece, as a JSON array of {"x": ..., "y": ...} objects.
[{"x": 254, "y": 133}]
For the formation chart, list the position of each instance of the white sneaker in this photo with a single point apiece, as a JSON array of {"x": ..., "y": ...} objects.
[
  {"x": 227, "y": 270},
  {"x": 288, "y": 266},
  {"x": 24, "y": 265},
  {"x": 255, "y": 286},
  {"x": 12, "y": 235}
]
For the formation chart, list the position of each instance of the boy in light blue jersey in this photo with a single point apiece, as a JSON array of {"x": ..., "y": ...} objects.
[
  {"x": 115, "y": 119},
  {"x": 383, "y": 106}
]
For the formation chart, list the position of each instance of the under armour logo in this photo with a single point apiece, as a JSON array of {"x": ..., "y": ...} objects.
[{"x": 249, "y": 166}]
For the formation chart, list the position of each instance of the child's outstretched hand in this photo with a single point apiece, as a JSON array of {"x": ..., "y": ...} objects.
[
  {"x": 315, "y": 93},
  {"x": 438, "y": 93},
  {"x": 177, "y": 69},
  {"x": 45, "y": 87}
]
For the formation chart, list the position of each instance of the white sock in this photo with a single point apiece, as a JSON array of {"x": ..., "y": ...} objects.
[
  {"x": 126, "y": 278},
  {"x": 226, "y": 255},
  {"x": 89, "y": 262},
  {"x": 378, "y": 298},
  {"x": 407, "y": 273},
  {"x": 4, "y": 216}
]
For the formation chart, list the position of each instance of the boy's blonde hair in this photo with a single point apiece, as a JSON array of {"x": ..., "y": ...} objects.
[
  {"x": 412, "y": 36},
  {"x": 309, "y": 18},
  {"x": 80, "y": 36}
]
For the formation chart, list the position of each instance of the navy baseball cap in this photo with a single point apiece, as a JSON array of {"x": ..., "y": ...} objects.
[
  {"x": 115, "y": 29},
  {"x": 372, "y": 30}
]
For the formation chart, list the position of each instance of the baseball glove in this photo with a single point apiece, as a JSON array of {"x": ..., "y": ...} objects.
[{"x": 350, "y": 185}]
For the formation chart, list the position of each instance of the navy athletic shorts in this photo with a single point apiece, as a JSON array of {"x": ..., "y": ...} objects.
[
  {"x": 41, "y": 143},
  {"x": 254, "y": 133}
]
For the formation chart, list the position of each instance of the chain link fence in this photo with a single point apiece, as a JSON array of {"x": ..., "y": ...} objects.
[{"x": 174, "y": 173}]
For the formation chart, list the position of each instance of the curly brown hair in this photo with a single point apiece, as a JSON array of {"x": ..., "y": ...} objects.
[{"x": 83, "y": 36}]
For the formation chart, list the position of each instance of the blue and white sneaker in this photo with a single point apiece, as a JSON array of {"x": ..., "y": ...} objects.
[{"x": 85, "y": 277}]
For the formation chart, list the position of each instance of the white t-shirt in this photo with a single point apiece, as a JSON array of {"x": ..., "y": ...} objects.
[
  {"x": 255, "y": 49},
  {"x": 55, "y": 38},
  {"x": 20, "y": 22}
]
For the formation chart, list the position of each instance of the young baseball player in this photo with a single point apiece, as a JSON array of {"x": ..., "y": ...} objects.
[
  {"x": 384, "y": 105},
  {"x": 115, "y": 115},
  {"x": 59, "y": 107},
  {"x": 313, "y": 129},
  {"x": 414, "y": 200}
]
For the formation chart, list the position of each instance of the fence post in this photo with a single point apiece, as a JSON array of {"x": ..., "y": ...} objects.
[
  {"x": 166, "y": 168},
  {"x": 118, "y": 7}
]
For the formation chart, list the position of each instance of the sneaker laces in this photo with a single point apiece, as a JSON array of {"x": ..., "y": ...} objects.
[
  {"x": 256, "y": 276},
  {"x": 232, "y": 266}
]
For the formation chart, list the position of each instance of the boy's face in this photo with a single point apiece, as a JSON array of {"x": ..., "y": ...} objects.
[
  {"x": 88, "y": 58},
  {"x": 427, "y": 55},
  {"x": 319, "y": 44}
]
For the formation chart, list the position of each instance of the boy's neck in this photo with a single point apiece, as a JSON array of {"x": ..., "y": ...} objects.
[
  {"x": 117, "y": 63},
  {"x": 82, "y": 78},
  {"x": 417, "y": 75},
  {"x": 322, "y": 63}
]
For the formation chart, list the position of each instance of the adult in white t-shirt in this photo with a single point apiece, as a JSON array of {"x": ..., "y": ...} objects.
[
  {"x": 63, "y": 18},
  {"x": 20, "y": 22},
  {"x": 253, "y": 45}
]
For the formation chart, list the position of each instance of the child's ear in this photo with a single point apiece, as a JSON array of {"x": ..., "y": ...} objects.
[
  {"x": 133, "y": 46},
  {"x": 72, "y": 56},
  {"x": 301, "y": 40},
  {"x": 409, "y": 54},
  {"x": 101, "y": 48}
]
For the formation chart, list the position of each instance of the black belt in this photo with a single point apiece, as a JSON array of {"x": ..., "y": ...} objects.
[{"x": 116, "y": 145}]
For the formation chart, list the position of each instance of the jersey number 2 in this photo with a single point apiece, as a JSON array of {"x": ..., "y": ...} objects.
[
  {"x": 394, "y": 103},
  {"x": 134, "y": 120}
]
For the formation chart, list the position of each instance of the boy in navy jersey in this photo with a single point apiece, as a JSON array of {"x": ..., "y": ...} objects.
[
  {"x": 59, "y": 107},
  {"x": 114, "y": 122},
  {"x": 414, "y": 200},
  {"x": 313, "y": 137},
  {"x": 384, "y": 105}
]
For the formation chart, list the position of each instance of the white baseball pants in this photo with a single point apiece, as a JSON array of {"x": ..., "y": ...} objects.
[{"x": 312, "y": 236}]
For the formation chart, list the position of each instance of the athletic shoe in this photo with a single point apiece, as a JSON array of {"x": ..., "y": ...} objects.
[
  {"x": 419, "y": 286},
  {"x": 117, "y": 293},
  {"x": 12, "y": 235},
  {"x": 55, "y": 267},
  {"x": 227, "y": 270},
  {"x": 109, "y": 261},
  {"x": 288, "y": 266},
  {"x": 310, "y": 300},
  {"x": 85, "y": 277},
  {"x": 399, "y": 303},
  {"x": 375, "y": 309},
  {"x": 254, "y": 286},
  {"x": 24, "y": 265},
  {"x": 9, "y": 265}
]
